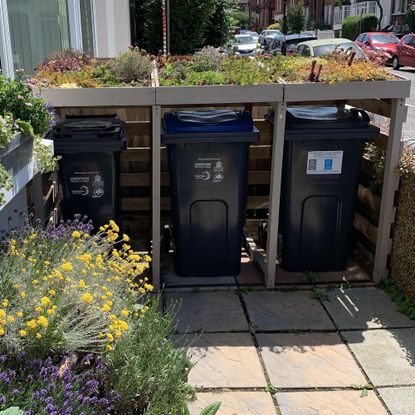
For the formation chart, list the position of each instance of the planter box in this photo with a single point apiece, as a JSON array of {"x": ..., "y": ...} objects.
[
  {"x": 18, "y": 160},
  {"x": 348, "y": 90},
  {"x": 100, "y": 97}
]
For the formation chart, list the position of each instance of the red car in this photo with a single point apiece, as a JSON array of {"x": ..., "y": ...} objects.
[
  {"x": 378, "y": 41},
  {"x": 405, "y": 52}
]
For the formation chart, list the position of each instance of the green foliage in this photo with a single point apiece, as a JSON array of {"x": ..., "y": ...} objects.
[
  {"x": 16, "y": 98},
  {"x": 378, "y": 158},
  {"x": 405, "y": 304},
  {"x": 6, "y": 183},
  {"x": 218, "y": 28},
  {"x": 274, "y": 26},
  {"x": 296, "y": 18},
  {"x": 211, "y": 409},
  {"x": 205, "y": 78},
  {"x": 132, "y": 66},
  {"x": 354, "y": 25},
  {"x": 208, "y": 59},
  {"x": 6, "y": 130},
  {"x": 146, "y": 361}
]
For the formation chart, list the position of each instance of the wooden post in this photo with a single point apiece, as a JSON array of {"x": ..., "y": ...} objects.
[
  {"x": 155, "y": 186},
  {"x": 275, "y": 191},
  {"x": 390, "y": 183}
]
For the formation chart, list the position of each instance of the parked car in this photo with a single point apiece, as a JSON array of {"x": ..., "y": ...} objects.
[
  {"x": 405, "y": 52},
  {"x": 278, "y": 45},
  {"x": 266, "y": 35},
  {"x": 323, "y": 47},
  {"x": 244, "y": 45},
  {"x": 255, "y": 35},
  {"x": 378, "y": 41}
]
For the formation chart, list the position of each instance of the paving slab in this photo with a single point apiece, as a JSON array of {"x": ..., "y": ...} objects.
[
  {"x": 236, "y": 403},
  {"x": 250, "y": 274},
  {"x": 329, "y": 403},
  {"x": 270, "y": 310},
  {"x": 387, "y": 356},
  {"x": 400, "y": 401},
  {"x": 308, "y": 360},
  {"x": 209, "y": 311},
  {"x": 224, "y": 360},
  {"x": 362, "y": 308},
  {"x": 173, "y": 280}
]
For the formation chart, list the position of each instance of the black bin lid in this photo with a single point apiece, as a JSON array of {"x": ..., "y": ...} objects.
[
  {"x": 89, "y": 133},
  {"x": 328, "y": 123}
]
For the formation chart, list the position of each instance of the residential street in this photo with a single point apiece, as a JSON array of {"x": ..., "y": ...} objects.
[{"x": 409, "y": 127}]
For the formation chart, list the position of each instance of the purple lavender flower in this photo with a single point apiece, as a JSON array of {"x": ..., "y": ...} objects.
[
  {"x": 2, "y": 400},
  {"x": 3, "y": 358}
]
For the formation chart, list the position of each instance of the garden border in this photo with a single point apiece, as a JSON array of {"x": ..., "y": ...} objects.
[{"x": 388, "y": 96}]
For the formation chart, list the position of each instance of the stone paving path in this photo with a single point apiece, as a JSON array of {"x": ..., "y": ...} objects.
[{"x": 305, "y": 352}]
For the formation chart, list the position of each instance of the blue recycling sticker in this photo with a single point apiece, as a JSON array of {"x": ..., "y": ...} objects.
[{"x": 328, "y": 164}]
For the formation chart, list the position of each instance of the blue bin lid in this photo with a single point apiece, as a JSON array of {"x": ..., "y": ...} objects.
[{"x": 212, "y": 121}]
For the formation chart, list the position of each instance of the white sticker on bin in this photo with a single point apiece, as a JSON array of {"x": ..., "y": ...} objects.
[{"x": 324, "y": 162}]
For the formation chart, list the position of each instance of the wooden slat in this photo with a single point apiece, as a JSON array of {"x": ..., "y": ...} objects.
[
  {"x": 365, "y": 227},
  {"x": 131, "y": 204},
  {"x": 144, "y": 153},
  {"x": 377, "y": 106},
  {"x": 144, "y": 179},
  {"x": 138, "y": 127},
  {"x": 368, "y": 198}
]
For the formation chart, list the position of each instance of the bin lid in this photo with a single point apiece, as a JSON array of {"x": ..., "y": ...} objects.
[
  {"x": 89, "y": 133},
  {"x": 328, "y": 122},
  {"x": 212, "y": 121}
]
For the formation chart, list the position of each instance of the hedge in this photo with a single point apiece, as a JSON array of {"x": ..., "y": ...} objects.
[
  {"x": 354, "y": 25},
  {"x": 403, "y": 248}
]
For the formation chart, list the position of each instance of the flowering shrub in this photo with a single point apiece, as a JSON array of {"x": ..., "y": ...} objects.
[
  {"x": 64, "y": 61},
  {"x": 42, "y": 386},
  {"x": 70, "y": 294},
  {"x": 78, "y": 332}
]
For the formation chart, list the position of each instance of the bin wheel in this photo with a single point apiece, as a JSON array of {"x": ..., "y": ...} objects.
[{"x": 395, "y": 63}]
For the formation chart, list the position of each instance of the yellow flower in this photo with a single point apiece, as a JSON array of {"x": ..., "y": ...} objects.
[
  {"x": 147, "y": 258},
  {"x": 125, "y": 238},
  {"x": 35, "y": 282},
  {"x": 19, "y": 314},
  {"x": 45, "y": 301},
  {"x": 114, "y": 226},
  {"x": 123, "y": 325},
  {"x": 76, "y": 234},
  {"x": 105, "y": 308},
  {"x": 10, "y": 319},
  {"x": 112, "y": 317},
  {"x": 67, "y": 266},
  {"x": 5, "y": 303},
  {"x": 38, "y": 309},
  {"x": 38, "y": 336},
  {"x": 118, "y": 333},
  {"x": 43, "y": 321},
  {"x": 31, "y": 324},
  {"x": 23, "y": 294},
  {"x": 23, "y": 333},
  {"x": 134, "y": 257},
  {"x": 87, "y": 298},
  {"x": 110, "y": 337},
  {"x": 125, "y": 312},
  {"x": 53, "y": 292},
  {"x": 109, "y": 348},
  {"x": 142, "y": 290},
  {"x": 148, "y": 287},
  {"x": 2, "y": 314},
  {"x": 1, "y": 331},
  {"x": 50, "y": 311},
  {"x": 82, "y": 284}
]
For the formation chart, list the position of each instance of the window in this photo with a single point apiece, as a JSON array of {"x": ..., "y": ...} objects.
[
  {"x": 37, "y": 28},
  {"x": 407, "y": 40},
  {"x": 87, "y": 26}
]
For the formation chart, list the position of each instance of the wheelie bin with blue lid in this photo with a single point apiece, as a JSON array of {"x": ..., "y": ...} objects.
[{"x": 208, "y": 154}]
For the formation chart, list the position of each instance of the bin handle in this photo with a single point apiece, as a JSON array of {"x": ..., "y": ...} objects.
[{"x": 360, "y": 113}]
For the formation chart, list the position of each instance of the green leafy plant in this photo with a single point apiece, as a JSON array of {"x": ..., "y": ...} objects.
[
  {"x": 274, "y": 26},
  {"x": 406, "y": 304},
  {"x": 132, "y": 66},
  {"x": 271, "y": 389},
  {"x": 205, "y": 78},
  {"x": 354, "y": 25},
  {"x": 296, "y": 18},
  {"x": 211, "y": 409},
  {"x": 208, "y": 59}
]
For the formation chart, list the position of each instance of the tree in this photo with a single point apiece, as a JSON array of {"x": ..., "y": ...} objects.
[
  {"x": 188, "y": 22},
  {"x": 296, "y": 18},
  {"x": 218, "y": 28}
]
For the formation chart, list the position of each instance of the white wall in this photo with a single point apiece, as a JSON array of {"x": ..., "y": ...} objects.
[{"x": 112, "y": 25}]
